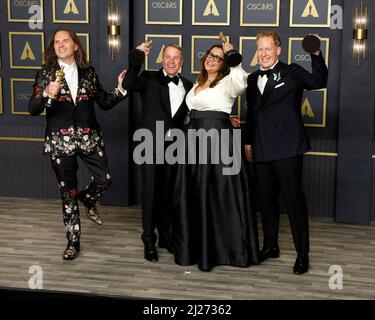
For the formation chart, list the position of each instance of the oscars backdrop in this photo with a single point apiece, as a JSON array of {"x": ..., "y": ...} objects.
[{"x": 195, "y": 24}]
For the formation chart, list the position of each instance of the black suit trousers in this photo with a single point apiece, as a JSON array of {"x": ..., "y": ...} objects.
[
  {"x": 283, "y": 177},
  {"x": 156, "y": 202}
]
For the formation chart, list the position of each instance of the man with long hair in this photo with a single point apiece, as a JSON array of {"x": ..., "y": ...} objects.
[{"x": 72, "y": 129}]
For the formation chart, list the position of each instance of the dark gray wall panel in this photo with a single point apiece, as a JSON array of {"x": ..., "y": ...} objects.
[
  {"x": 320, "y": 185},
  {"x": 356, "y": 128}
]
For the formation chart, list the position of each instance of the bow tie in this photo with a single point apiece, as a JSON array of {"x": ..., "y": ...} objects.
[
  {"x": 267, "y": 73},
  {"x": 175, "y": 79}
]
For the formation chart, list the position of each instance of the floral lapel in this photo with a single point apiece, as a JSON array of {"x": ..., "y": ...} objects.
[
  {"x": 276, "y": 76},
  {"x": 86, "y": 84}
]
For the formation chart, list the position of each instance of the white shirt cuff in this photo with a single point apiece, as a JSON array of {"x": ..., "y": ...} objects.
[{"x": 122, "y": 90}]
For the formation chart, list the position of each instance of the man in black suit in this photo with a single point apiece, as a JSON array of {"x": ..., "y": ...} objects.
[
  {"x": 276, "y": 140},
  {"x": 72, "y": 129},
  {"x": 162, "y": 94}
]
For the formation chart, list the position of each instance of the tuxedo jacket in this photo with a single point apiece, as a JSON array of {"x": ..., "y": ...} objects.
[
  {"x": 154, "y": 92},
  {"x": 72, "y": 127},
  {"x": 275, "y": 128}
]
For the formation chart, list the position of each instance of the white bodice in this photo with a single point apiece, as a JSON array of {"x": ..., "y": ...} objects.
[{"x": 222, "y": 96}]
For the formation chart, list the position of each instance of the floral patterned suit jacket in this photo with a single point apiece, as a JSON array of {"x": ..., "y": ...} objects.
[{"x": 72, "y": 127}]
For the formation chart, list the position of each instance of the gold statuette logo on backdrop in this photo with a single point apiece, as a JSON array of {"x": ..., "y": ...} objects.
[
  {"x": 26, "y": 50},
  {"x": 211, "y": 12},
  {"x": 70, "y": 11},
  {"x": 22, "y": 11},
  {"x": 306, "y": 109},
  {"x": 258, "y": 13},
  {"x": 310, "y": 13},
  {"x": 159, "y": 41},
  {"x": 163, "y": 12},
  {"x": 71, "y": 7},
  {"x": 211, "y": 9},
  {"x": 310, "y": 10},
  {"x": 314, "y": 108}
]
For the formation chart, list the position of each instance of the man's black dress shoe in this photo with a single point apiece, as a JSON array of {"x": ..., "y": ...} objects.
[
  {"x": 91, "y": 212},
  {"x": 302, "y": 264},
  {"x": 166, "y": 244},
  {"x": 71, "y": 251},
  {"x": 93, "y": 215},
  {"x": 151, "y": 254},
  {"x": 267, "y": 253}
]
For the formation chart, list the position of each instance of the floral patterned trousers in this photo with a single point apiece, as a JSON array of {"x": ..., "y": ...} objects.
[{"x": 66, "y": 168}]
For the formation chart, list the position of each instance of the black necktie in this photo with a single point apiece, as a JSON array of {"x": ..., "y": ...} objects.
[
  {"x": 268, "y": 73},
  {"x": 175, "y": 79}
]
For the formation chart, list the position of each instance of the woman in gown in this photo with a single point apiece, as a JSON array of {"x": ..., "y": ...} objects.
[{"x": 215, "y": 221}]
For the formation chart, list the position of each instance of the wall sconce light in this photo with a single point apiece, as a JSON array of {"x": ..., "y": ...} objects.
[
  {"x": 114, "y": 41},
  {"x": 360, "y": 33}
]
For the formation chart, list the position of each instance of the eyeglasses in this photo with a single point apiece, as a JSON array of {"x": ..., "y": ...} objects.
[{"x": 214, "y": 57}]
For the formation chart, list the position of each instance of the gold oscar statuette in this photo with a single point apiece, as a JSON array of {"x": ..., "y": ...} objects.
[
  {"x": 148, "y": 43},
  {"x": 60, "y": 76},
  {"x": 223, "y": 37},
  {"x": 232, "y": 57}
]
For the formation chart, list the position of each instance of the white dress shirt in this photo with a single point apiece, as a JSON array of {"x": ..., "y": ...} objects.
[
  {"x": 222, "y": 96},
  {"x": 262, "y": 80},
  {"x": 71, "y": 77},
  {"x": 176, "y": 94}
]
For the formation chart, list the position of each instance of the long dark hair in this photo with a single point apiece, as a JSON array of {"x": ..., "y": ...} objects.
[
  {"x": 223, "y": 71},
  {"x": 80, "y": 56}
]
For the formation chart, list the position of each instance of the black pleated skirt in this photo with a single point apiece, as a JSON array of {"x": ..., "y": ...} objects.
[{"x": 214, "y": 219}]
